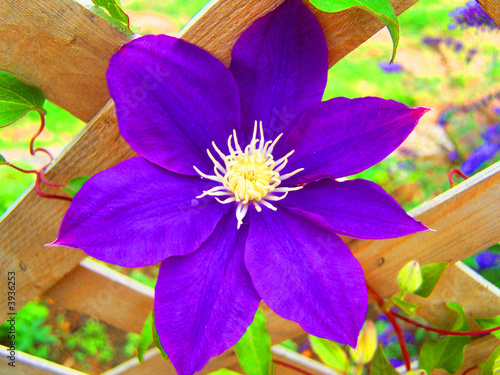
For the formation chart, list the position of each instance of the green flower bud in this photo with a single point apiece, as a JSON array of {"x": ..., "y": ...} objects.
[{"x": 410, "y": 277}]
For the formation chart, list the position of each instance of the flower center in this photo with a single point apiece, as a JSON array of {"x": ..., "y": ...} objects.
[{"x": 250, "y": 176}]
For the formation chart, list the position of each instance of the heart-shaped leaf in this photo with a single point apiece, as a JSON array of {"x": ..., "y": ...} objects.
[{"x": 17, "y": 98}]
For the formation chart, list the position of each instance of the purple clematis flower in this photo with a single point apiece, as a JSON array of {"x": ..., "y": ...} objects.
[{"x": 262, "y": 221}]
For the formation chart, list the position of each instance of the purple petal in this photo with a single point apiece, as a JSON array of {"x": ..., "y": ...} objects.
[
  {"x": 136, "y": 214},
  {"x": 341, "y": 136},
  {"x": 280, "y": 64},
  {"x": 355, "y": 208},
  {"x": 306, "y": 274},
  {"x": 205, "y": 301},
  {"x": 172, "y": 100}
]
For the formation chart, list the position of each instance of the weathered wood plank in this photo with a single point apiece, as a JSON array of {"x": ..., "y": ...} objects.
[
  {"x": 26, "y": 364},
  {"x": 100, "y": 145},
  {"x": 108, "y": 296},
  {"x": 465, "y": 220},
  {"x": 61, "y": 47},
  {"x": 492, "y": 7}
]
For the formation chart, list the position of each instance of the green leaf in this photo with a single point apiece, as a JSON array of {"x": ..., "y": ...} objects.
[
  {"x": 114, "y": 9},
  {"x": 17, "y": 98},
  {"x": 380, "y": 364},
  {"x": 146, "y": 337},
  {"x": 330, "y": 353},
  {"x": 224, "y": 371},
  {"x": 380, "y": 8},
  {"x": 254, "y": 348},
  {"x": 487, "y": 366},
  {"x": 488, "y": 323},
  {"x": 156, "y": 340},
  {"x": 2, "y": 160},
  {"x": 431, "y": 273},
  {"x": 290, "y": 344},
  {"x": 447, "y": 353},
  {"x": 409, "y": 308},
  {"x": 74, "y": 185}
]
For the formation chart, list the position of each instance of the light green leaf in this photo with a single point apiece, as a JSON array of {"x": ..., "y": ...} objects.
[
  {"x": 17, "y": 98},
  {"x": 156, "y": 339},
  {"x": 409, "y": 308},
  {"x": 488, "y": 323},
  {"x": 487, "y": 368},
  {"x": 223, "y": 371},
  {"x": 74, "y": 185},
  {"x": 254, "y": 348},
  {"x": 290, "y": 344},
  {"x": 114, "y": 9},
  {"x": 330, "y": 353},
  {"x": 380, "y": 8},
  {"x": 146, "y": 337},
  {"x": 447, "y": 353},
  {"x": 380, "y": 364},
  {"x": 431, "y": 273}
]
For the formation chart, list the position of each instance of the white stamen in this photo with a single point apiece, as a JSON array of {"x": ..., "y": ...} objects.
[{"x": 250, "y": 176}]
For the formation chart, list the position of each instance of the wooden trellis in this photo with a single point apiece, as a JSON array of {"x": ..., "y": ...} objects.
[{"x": 63, "y": 48}]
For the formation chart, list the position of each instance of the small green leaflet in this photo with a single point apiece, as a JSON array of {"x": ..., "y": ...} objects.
[
  {"x": 330, "y": 352},
  {"x": 487, "y": 366},
  {"x": 74, "y": 185},
  {"x": 380, "y": 8},
  {"x": 224, "y": 371},
  {"x": 114, "y": 9},
  {"x": 409, "y": 308},
  {"x": 488, "y": 323},
  {"x": 2, "y": 160},
  {"x": 380, "y": 364},
  {"x": 447, "y": 353},
  {"x": 156, "y": 340},
  {"x": 17, "y": 98},
  {"x": 254, "y": 348},
  {"x": 431, "y": 273},
  {"x": 146, "y": 337}
]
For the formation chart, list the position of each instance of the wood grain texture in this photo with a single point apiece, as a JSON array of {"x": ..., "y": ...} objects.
[
  {"x": 35, "y": 221},
  {"x": 465, "y": 220},
  {"x": 492, "y": 7},
  {"x": 61, "y": 47}
]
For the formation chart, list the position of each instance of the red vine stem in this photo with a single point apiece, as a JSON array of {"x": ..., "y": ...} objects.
[
  {"x": 397, "y": 329},
  {"x": 452, "y": 173},
  {"x": 291, "y": 367},
  {"x": 443, "y": 332},
  {"x": 469, "y": 370},
  {"x": 40, "y": 130},
  {"x": 45, "y": 195}
]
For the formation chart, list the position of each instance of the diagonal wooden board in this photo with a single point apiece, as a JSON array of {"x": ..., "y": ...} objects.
[{"x": 34, "y": 221}]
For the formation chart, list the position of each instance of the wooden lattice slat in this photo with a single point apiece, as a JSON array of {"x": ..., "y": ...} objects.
[
  {"x": 61, "y": 47},
  {"x": 100, "y": 145},
  {"x": 492, "y": 7}
]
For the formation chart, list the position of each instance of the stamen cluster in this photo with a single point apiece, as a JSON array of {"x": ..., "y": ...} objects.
[{"x": 249, "y": 176}]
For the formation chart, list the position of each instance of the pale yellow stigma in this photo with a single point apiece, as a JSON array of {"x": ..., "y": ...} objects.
[{"x": 249, "y": 176}]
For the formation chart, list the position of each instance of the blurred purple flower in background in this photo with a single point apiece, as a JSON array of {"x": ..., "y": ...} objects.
[
  {"x": 485, "y": 152},
  {"x": 390, "y": 67},
  {"x": 487, "y": 259},
  {"x": 473, "y": 15}
]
